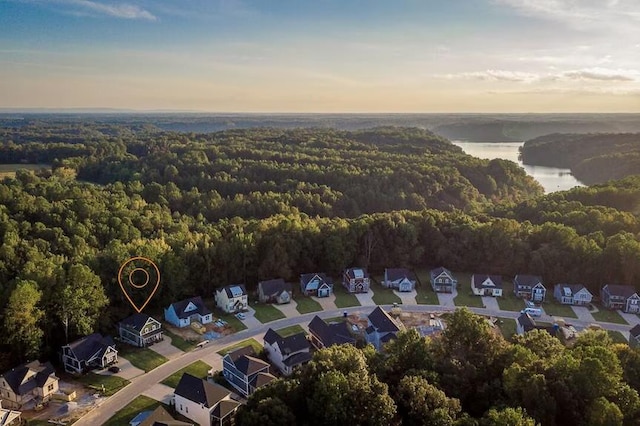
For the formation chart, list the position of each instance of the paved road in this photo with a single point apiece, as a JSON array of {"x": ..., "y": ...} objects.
[{"x": 144, "y": 383}]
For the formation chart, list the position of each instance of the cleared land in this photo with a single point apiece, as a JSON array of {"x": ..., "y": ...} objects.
[
  {"x": 142, "y": 358},
  {"x": 257, "y": 347},
  {"x": 112, "y": 384}
]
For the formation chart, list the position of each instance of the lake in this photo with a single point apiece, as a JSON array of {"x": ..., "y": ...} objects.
[{"x": 551, "y": 178}]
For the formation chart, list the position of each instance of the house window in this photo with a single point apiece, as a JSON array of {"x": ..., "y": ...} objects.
[
  {"x": 186, "y": 409},
  {"x": 50, "y": 388},
  {"x": 180, "y": 407}
]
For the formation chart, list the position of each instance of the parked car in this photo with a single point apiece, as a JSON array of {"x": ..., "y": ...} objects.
[
  {"x": 534, "y": 312},
  {"x": 241, "y": 316},
  {"x": 114, "y": 369},
  {"x": 202, "y": 344}
]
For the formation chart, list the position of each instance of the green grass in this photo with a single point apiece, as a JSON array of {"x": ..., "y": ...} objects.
[
  {"x": 307, "y": 304},
  {"x": 617, "y": 337},
  {"x": 112, "y": 384},
  {"x": 605, "y": 315},
  {"x": 179, "y": 342},
  {"x": 257, "y": 347},
  {"x": 508, "y": 301},
  {"x": 231, "y": 319},
  {"x": 266, "y": 312},
  {"x": 507, "y": 327},
  {"x": 334, "y": 319},
  {"x": 382, "y": 295},
  {"x": 555, "y": 309},
  {"x": 426, "y": 295},
  {"x": 142, "y": 358},
  {"x": 198, "y": 369},
  {"x": 35, "y": 422},
  {"x": 465, "y": 297},
  {"x": 288, "y": 331},
  {"x": 123, "y": 417},
  {"x": 344, "y": 299}
]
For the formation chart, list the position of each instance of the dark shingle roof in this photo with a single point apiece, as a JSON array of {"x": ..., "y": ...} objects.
[
  {"x": 15, "y": 377},
  {"x": 394, "y": 274},
  {"x": 235, "y": 290},
  {"x": 86, "y": 347},
  {"x": 297, "y": 359},
  {"x": 527, "y": 280},
  {"x": 245, "y": 360},
  {"x": 161, "y": 417},
  {"x": 526, "y": 322},
  {"x": 225, "y": 408},
  {"x": 440, "y": 270},
  {"x": 201, "y": 309},
  {"x": 351, "y": 272},
  {"x": 382, "y": 321},
  {"x": 635, "y": 331},
  {"x": 305, "y": 278},
  {"x": 200, "y": 391},
  {"x": 290, "y": 344},
  {"x": 478, "y": 280},
  {"x": 620, "y": 290},
  {"x": 135, "y": 322},
  {"x": 573, "y": 288},
  {"x": 262, "y": 379},
  {"x": 330, "y": 334},
  {"x": 274, "y": 287}
]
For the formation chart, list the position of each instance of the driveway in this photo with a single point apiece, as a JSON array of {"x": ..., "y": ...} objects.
[
  {"x": 160, "y": 392},
  {"x": 327, "y": 303},
  {"x": 631, "y": 319},
  {"x": 166, "y": 349},
  {"x": 583, "y": 314},
  {"x": 127, "y": 370},
  {"x": 490, "y": 303},
  {"x": 446, "y": 299},
  {"x": 288, "y": 309},
  {"x": 365, "y": 299},
  {"x": 250, "y": 320},
  {"x": 407, "y": 297}
]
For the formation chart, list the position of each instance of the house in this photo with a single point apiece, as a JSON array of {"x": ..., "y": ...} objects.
[
  {"x": 232, "y": 298},
  {"x": 572, "y": 294},
  {"x": 244, "y": 371},
  {"x": 381, "y": 328},
  {"x": 274, "y": 291},
  {"x": 323, "y": 335},
  {"x": 30, "y": 383},
  {"x": 442, "y": 280},
  {"x": 9, "y": 417},
  {"x": 356, "y": 280},
  {"x": 140, "y": 330},
  {"x": 399, "y": 279},
  {"x": 287, "y": 353},
  {"x": 620, "y": 297},
  {"x": 529, "y": 287},
  {"x": 486, "y": 285},
  {"x": 316, "y": 284},
  {"x": 525, "y": 323},
  {"x": 182, "y": 313},
  {"x": 157, "y": 417},
  {"x": 634, "y": 336},
  {"x": 92, "y": 351},
  {"x": 207, "y": 404}
]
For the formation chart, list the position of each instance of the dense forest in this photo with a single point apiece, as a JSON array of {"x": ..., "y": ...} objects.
[
  {"x": 592, "y": 158},
  {"x": 469, "y": 376},
  {"x": 245, "y": 205}
]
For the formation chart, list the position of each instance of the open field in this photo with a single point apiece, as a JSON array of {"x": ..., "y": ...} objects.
[
  {"x": 112, "y": 384},
  {"x": 257, "y": 347},
  {"x": 142, "y": 358},
  {"x": 197, "y": 369}
]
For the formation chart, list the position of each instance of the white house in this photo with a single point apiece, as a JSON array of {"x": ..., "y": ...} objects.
[
  {"x": 207, "y": 404},
  {"x": 287, "y": 353},
  {"x": 486, "y": 285},
  {"x": 182, "y": 313},
  {"x": 33, "y": 382},
  {"x": 9, "y": 417},
  {"x": 232, "y": 298},
  {"x": 572, "y": 294}
]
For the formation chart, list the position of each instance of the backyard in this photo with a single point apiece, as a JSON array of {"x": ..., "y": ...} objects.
[{"x": 197, "y": 369}]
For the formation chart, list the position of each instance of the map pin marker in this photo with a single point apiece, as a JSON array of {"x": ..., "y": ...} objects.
[{"x": 137, "y": 290}]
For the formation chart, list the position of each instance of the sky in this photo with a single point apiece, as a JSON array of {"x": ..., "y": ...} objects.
[{"x": 322, "y": 55}]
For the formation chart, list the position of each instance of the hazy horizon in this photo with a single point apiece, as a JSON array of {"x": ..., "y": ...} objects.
[{"x": 349, "y": 57}]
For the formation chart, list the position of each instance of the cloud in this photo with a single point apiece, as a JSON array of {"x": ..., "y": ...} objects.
[
  {"x": 602, "y": 74},
  {"x": 121, "y": 10},
  {"x": 495, "y": 75},
  {"x": 593, "y": 74}
]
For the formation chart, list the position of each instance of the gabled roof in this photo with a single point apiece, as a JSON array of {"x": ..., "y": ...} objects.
[
  {"x": 357, "y": 273},
  {"x": 526, "y": 321},
  {"x": 135, "y": 322},
  {"x": 437, "y": 271},
  {"x": 91, "y": 345},
  {"x": 246, "y": 362},
  {"x": 288, "y": 345},
  {"x": 262, "y": 379},
  {"x": 224, "y": 408},
  {"x": 478, "y": 280},
  {"x": 306, "y": 278},
  {"x": 200, "y": 391},
  {"x": 635, "y": 331},
  {"x": 274, "y": 287},
  {"x": 330, "y": 334},
  {"x": 8, "y": 416},
  {"x": 568, "y": 290},
  {"x": 297, "y": 359},
  {"x": 235, "y": 290},
  {"x": 382, "y": 322},
  {"x": 527, "y": 280},
  {"x": 394, "y": 274},
  {"x": 620, "y": 290},
  {"x": 22, "y": 379},
  {"x": 200, "y": 308},
  {"x": 160, "y": 417}
]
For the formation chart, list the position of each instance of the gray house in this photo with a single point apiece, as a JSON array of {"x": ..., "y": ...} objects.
[
  {"x": 529, "y": 287},
  {"x": 381, "y": 328},
  {"x": 316, "y": 284},
  {"x": 399, "y": 279},
  {"x": 140, "y": 330},
  {"x": 92, "y": 351},
  {"x": 275, "y": 291},
  {"x": 323, "y": 335},
  {"x": 620, "y": 297},
  {"x": 572, "y": 294},
  {"x": 442, "y": 280}
]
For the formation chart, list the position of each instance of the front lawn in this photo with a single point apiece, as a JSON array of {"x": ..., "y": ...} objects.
[
  {"x": 231, "y": 320},
  {"x": 198, "y": 369},
  {"x": 344, "y": 299},
  {"x": 142, "y": 358},
  {"x": 266, "y": 312},
  {"x": 465, "y": 296},
  {"x": 257, "y": 347},
  {"x": 426, "y": 295},
  {"x": 125, "y": 415},
  {"x": 382, "y": 295},
  {"x": 507, "y": 327},
  {"x": 557, "y": 310},
  {"x": 617, "y": 337},
  {"x": 605, "y": 315},
  {"x": 291, "y": 330},
  {"x": 307, "y": 304},
  {"x": 112, "y": 384},
  {"x": 509, "y": 301},
  {"x": 178, "y": 341}
]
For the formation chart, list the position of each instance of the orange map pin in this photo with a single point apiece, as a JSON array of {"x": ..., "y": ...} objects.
[{"x": 135, "y": 287}]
